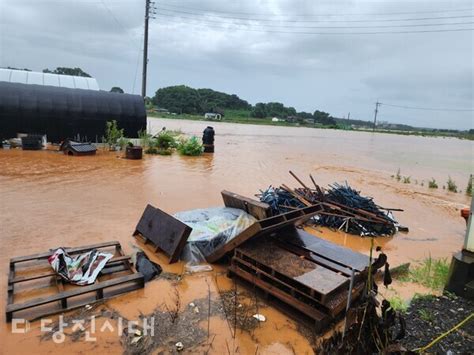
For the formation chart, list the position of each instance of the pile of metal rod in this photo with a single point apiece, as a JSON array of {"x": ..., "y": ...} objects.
[{"x": 343, "y": 207}]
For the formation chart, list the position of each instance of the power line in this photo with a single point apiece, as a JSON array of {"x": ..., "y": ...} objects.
[
  {"x": 310, "y": 21},
  {"x": 247, "y": 29},
  {"x": 322, "y": 14},
  {"x": 428, "y": 108},
  {"x": 324, "y": 27},
  {"x": 122, "y": 27}
]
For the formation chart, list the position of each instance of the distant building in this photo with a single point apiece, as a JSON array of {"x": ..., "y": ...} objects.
[
  {"x": 64, "y": 106},
  {"x": 161, "y": 110},
  {"x": 213, "y": 116},
  {"x": 48, "y": 79}
]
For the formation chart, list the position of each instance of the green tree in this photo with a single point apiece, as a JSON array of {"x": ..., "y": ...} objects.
[
  {"x": 259, "y": 110},
  {"x": 67, "y": 71},
  {"x": 304, "y": 115},
  {"x": 117, "y": 90},
  {"x": 323, "y": 118},
  {"x": 178, "y": 99}
]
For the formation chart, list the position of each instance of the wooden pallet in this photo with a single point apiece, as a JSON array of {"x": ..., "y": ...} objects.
[
  {"x": 317, "y": 289},
  {"x": 264, "y": 227},
  {"x": 117, "y": 277}
]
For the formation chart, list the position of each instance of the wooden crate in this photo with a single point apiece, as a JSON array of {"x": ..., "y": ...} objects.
[{"x": 117, "y": 277}]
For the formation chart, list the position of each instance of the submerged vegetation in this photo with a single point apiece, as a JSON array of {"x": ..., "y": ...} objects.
[
  {"x": 190, "y": 146},
  {"x": 112, "y": 134},
  {"x": 432, "y": 184},
  {"x": 469, "y": 186},
  {"x": 452, "y": 185}
]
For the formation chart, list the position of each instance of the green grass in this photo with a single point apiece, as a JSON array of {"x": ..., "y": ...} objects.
[
  {"x": 398, "y": 304},
  {"x": 427, "y": 315},
  {"x": 431, "y": 273},
  {"x": 406, "y": 180}
]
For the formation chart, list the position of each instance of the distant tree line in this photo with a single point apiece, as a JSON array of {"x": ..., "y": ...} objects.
[
  {"x": 184, "y": 99},
  {"x": 67, "y": 71}
]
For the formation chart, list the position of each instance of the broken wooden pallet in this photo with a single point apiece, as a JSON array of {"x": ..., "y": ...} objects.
[
  {"x": 164, "y": 231},
  {"x": 259, "y": 210},
  {"x": 117, "y": 277}
]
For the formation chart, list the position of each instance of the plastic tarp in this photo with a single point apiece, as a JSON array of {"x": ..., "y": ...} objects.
[
  {"x": 212, "y": 227},
  {"x": 80, "y": 269}
]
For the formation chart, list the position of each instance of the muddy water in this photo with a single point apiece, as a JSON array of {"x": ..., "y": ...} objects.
[{"x": 50, "y": 200}]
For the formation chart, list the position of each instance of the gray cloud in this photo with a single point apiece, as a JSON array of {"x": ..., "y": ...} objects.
[{"x": 337, "y": 74}]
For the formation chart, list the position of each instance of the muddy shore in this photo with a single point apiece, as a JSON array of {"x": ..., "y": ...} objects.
[{"x": 51, "y": 200}]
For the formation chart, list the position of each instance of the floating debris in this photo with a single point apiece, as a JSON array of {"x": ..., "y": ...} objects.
[{"x": 259, "y": 317}]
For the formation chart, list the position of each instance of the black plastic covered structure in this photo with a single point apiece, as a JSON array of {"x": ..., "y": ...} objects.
[{"x": 62, "y": 113}]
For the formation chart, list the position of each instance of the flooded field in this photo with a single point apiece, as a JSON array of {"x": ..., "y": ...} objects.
[{"x": 50, "y": 200}]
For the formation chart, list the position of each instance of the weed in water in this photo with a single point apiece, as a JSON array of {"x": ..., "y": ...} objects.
[
  {"x": 469, "y": 187},
  {"x": 191, "y": 146},
  {"x": 432, "y": 273},
  {"x": 165, "y": 141},
  {"x": 398, "y": 304},
  {"x": 406, "y": 180},
  {"x": 145, "y": 138},
  {"x": 432, "y": 184},
  {"x": 112, "y": 133},
  {"x": 452, "y": 185},
  {"x": 398, "y": 176}
]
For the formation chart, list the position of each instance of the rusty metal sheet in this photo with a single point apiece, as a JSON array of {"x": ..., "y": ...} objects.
[
  {"x": 315, "y": 277},
  {"x": 323, "y": 248},
  {"x": 164, "y": 231}
]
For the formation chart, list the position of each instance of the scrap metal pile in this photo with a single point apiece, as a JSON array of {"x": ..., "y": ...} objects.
[{"x": 343, "y": 207}]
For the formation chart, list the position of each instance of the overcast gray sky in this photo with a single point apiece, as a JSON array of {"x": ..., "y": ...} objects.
[{"x": 211, "y": 44}]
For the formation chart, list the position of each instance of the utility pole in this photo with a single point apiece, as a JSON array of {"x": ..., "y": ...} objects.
[
  {"x": 377, "y": 104},
  {"x": 148, "y": 7}
]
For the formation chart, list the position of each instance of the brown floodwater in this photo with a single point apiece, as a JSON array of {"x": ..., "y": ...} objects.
[{"x": 50, "y": 200}]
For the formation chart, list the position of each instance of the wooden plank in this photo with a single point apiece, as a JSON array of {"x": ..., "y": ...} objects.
[
  {"x": 69, "y": 250},
  {"x": 325, "y": 249},
  {"x": 263, "y": 227},
  {"x": 259, "y": 210},
  {"x": 72, "y": 293},
  {"x": 164, "y": 231}
]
